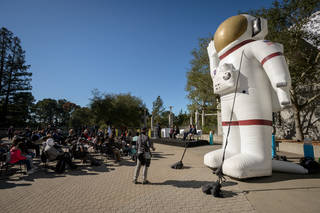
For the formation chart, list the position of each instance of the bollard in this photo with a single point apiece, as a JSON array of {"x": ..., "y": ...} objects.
[
  {"x": 274, "y": 146},
  {"x": 308, "y": 148},
  {"x": 211, "y": 138}
]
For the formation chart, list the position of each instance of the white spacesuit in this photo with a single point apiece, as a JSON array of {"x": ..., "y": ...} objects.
[{"x": 252, "y": 78}]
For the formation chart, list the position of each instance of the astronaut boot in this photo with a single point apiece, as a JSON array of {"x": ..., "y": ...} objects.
[
  {"x": 244, "y": 165},
  {"x": 213, "y": 159}
]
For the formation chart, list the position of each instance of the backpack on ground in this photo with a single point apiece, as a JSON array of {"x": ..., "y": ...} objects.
[
  {"x": 178, "y": 165},
  {"x": 310, "y": 164}
]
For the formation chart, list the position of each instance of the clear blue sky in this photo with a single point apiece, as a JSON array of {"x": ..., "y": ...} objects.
[{"x": 117, "y": 46}]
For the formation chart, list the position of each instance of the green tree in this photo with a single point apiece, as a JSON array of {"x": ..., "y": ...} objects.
[
  {"x": 199, "y": 83},
  {"x": 80, "y": 117},
  {"x": 21, "y": 110},
  {"x": 182, "y": 119},
  {"x": 128, "y": 110},
  {"x": 158, "y": 110},
  {"x": 45, "y": 111},
  {"x": 64, "y": 111},
  {"x": 14, "y": 74},
  {"x": 287, "y": 23},
  {"x": 121, "y": 110},
  {"x": 5, "y": 44},
  {"x": 101, "y": 108}
]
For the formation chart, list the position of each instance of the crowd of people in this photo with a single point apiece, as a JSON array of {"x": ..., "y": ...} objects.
[{"x": 50, "y": 144}]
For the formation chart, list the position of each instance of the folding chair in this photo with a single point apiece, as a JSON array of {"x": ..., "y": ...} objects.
[{"x": 7, "y": 164}]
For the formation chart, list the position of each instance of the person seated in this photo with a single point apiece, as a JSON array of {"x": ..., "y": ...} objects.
[
  {"x": 80, "y": 151},
  {"x": 35, "y": 136},
  {"x": 134, "y": 139},
  {"x": 53, "y": 151},
  {"x": 58, "y": 137},
  {"x": 185, "y": 135},
  {"x": 176, "y": 132},
  {"x": 86, "y": 135},
  {"x": 71, "y": 138},
  {"x": 112, "y": 148},
  {"x": 171, "y": 133},
  {"x": 27, "y": 146},
  {"x": 17, "y": 157},
  {"x": 192, "y": 131},
  {"x": 98, "y": 141},
  {"x": 100, "y": 137}
]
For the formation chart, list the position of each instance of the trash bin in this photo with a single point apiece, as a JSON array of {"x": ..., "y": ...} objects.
[
  {"x": 308, "y": 148},
  {"x": 274, "y": 146}
]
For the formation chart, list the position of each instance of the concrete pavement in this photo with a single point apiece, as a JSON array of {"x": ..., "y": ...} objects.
[{"x": 109, "y": 188}]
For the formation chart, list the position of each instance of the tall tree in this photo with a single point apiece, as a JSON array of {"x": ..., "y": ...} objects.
[
  {"x": 5, "y": 43},
  {"x": 157, "y": 109},
  {"x": 46, "y": 111},
  {"x": 182, "y": 119},
  {"x": 14, "y": 74},
  {"x": 21, "y": 110},
  {"x": 121, "y": 110},
  {"x": 64, "y": 111},
  {"x": 80, "y": 117},
  {"x": 199, "y": 83}
]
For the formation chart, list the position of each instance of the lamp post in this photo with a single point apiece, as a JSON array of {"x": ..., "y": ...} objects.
[
  {"x": 202, "y": 116},
  {"x": 170, "y": 117},
  {"x": 145, "y": 117}
]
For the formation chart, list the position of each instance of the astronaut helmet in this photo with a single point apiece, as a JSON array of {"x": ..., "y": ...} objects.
[{"x": 239, "y": 28}]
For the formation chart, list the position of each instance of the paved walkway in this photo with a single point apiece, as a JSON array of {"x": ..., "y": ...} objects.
[{"x": 108, "y": 188}]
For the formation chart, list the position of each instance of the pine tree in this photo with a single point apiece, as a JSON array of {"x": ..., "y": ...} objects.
[
  {"x": 14, "y": 75},
  {"x": 157, "y": 109}
]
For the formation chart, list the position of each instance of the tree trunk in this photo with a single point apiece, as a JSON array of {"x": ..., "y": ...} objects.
[{"x": 296, "y": 115}]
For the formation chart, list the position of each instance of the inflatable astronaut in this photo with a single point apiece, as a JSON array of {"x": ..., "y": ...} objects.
[{"x": 252, "y": 74}]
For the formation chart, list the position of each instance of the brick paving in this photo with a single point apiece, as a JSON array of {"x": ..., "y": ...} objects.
[{"x": 109, "y": 188}]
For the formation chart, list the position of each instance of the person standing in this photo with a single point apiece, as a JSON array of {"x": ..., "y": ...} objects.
[
  {"x": 144, "y": 156},
  {"x": 176, "y": 132}
]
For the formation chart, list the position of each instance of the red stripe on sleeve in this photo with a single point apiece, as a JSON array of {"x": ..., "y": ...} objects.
[{"x": 270, "y": 56}]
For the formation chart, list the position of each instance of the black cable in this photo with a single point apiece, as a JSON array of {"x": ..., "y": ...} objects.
[{"x": 219, "y": 172}]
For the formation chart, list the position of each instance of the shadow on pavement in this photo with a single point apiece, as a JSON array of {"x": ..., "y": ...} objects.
[
  {"x": 11, "y": 179},
  {"x": 127, "y": 163},
  {"x": 277, "y": 177},
  {"x": 157, "y": 155},
  {"x": 279, "y": 189},
  {"x": 5, "y": 185},
  {"x": 191, "y": 183}
]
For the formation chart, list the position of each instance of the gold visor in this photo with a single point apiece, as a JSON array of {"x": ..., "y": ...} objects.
[{"x": 230, "y": 30}]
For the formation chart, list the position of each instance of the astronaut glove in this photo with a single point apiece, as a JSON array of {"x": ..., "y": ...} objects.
[
  {"x": 213, "y": 55},
  {"x": 284, "y": 97},
  {"x": 211, "y": 49}
]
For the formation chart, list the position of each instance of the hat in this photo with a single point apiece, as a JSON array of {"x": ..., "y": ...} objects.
[{"x": 50, "y": 142}]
